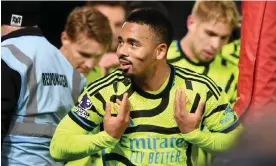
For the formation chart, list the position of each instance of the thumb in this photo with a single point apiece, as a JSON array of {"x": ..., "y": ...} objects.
[{"x": 108, "y": 110}]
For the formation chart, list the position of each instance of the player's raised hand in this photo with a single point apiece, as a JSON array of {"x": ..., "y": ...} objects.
[
  {"x": 108, "y": 60},
  {"x": 186, "y": 121},
  {"x": 116, "y": 126}
]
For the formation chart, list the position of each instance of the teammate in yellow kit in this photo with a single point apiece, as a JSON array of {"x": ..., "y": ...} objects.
[
  {"x": 209, "y": 28},
  {"x": 86, "y": 38}
]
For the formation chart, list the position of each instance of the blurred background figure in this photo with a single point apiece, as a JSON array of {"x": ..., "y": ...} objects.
[
  {"x": 87, "y": 36},
  {"x": 256, "y": 147},
  {"x": 39, "y": 86},
  {"x": 116, "y": 12},
  {"x": 231, "y": 51},
  {"x": 209, "y": 27}
]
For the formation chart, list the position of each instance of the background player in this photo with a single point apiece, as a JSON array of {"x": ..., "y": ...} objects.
[
  {"x": 209, "y": 28},
  {"x": 86, "y": 38},
  {"x": 116, "y": 13}
]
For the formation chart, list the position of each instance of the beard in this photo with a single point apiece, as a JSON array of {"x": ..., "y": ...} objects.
[{"x": 127, "y": 74}]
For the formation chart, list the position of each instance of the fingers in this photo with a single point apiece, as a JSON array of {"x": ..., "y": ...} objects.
[
  {"x": 108, "y": 110},
  {"x": 180, "y": 101},
  {"x": 124, "y": 107},
  {"x": 200, "y": 108},
  {"x": 182, "y": 104},
  {"x": 116, "y": 108},
  {"x": 125, "y": 102},
  {"x": 118, "y": 101},
  {"x": 176, "y": 102}
]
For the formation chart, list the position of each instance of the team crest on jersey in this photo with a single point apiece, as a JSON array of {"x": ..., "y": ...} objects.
[{"x": 84, "y": 104}]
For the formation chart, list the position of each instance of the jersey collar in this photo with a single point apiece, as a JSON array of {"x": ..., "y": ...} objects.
[
  {"x": 28, "y": 31},
  {"x": 178, "y": 46},
  {"x": 159, "y": 95}
]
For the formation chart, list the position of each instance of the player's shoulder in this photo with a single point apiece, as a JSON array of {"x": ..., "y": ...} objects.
[
  {"x": 185, "y": 73},
  {"x": 106, "y": 81},
  {"x": 173, "y": 49},
  {"x": 223, "y": 63},
  {"x": 174, "y": 44},
  {"x": 202, "y": 82},
  {"x": 231, "y": 52}
]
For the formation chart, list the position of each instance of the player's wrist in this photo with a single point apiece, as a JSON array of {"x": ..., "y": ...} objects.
[
  {"x": 109, "y": 138},
  {"x": 187, "y": 130},
  {"x": 191, "y": 135},
  {"x": 114, "y": 135}
]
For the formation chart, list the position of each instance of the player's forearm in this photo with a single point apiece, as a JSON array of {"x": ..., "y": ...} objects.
[
  {"x": 70, "y": 141},
  {"x": 213, "y": 142}
]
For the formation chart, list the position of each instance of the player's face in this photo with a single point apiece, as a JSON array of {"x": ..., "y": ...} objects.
[
  {"x": 116, "y": 17},
  {"x": 207, "y": 38},
  {"x": 136, "y": 49},
  {"x": 83, "y": 54}
]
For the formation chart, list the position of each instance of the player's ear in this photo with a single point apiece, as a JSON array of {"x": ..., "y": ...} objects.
[
  {"x": 190, "y": 22},
  {"x": 161, "y": 51},
  {"x": 64, "y": 38}
]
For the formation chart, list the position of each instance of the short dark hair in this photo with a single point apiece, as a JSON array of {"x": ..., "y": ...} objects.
[
  {"x": 149, "y": 4},
  {"x": 157, "y": 21}
]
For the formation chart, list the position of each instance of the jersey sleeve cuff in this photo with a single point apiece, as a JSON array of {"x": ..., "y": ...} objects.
[
  {"x": 109, "y": 140},
  {"x": 192, "y": 136}
]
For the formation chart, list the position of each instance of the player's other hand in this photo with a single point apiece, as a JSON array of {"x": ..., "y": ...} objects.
[
  {"x": 186, "y": 121},
  {"x": 109, "y": 60},
  {"x": 116, "y": 126}
]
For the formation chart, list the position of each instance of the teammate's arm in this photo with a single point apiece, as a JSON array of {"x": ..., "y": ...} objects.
[
  {"x": 71, "y": 140},
  {"x": 10, "y": 85},
  {"x": 221, "y": 123}
]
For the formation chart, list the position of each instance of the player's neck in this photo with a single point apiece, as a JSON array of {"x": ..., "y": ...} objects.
[
  {"x": 154, "y": 79},
  {"x": 64, "y": 52},
  {"x": 6, "y": 29},
  {"x": 186, "y": 46}
]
